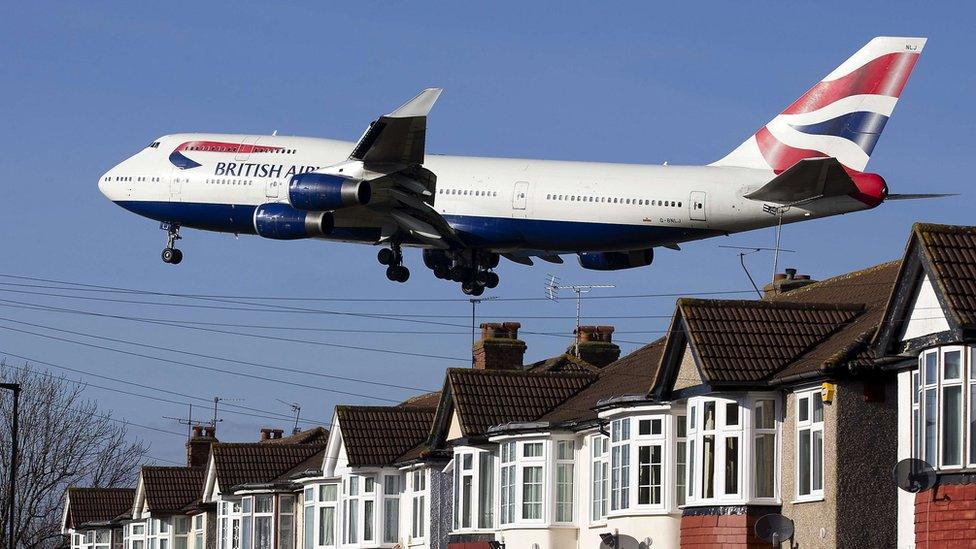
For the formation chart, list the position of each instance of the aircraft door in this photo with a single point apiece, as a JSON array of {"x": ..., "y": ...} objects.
[
  {"x": 175, "y": 188},
  {"x": 696, "y": 205},
  {"x": 272, "y": 187},
  {"x": 520, "y": 197}
]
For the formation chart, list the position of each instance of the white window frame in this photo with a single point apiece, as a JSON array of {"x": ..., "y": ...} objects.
[
  {"x": 255, "y": 515},
  {"x": 526, "y": 459},
  {"x": 177, "y": 536},
  {"x": 198, "y": 529},
  {"x": 680, "y": 459},
  {"x": 419, "y": 523},
  {"x": 806, "y": 405},
  {"x": 326, "y": 496},
  {"x": 565, "y": 466},
  {"x": 937, "y": 386},
  {"x": 621, "y": 446},
  {"x": 507, "y": 483},
  {"x": 282, "y": 514},
  {"x": 970, "y": 403},
  {"x": 229, "y": 515},
  {"x": 392, "y": 489},
  {"x": 599, "y": 452}
]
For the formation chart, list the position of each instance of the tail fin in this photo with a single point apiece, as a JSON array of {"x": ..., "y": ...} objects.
[{"x": 841, "y": 116}]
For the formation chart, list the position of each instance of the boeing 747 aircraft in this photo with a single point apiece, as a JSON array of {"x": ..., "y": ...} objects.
[{"x": 468, "y": 212}]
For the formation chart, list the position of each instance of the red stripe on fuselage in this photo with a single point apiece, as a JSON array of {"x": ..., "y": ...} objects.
[
  {"x": 218, "y": 146},
  {"x": 886, "y": 75}
]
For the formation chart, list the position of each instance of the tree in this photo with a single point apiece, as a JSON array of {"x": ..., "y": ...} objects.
[{"x": 65, "y": 440}]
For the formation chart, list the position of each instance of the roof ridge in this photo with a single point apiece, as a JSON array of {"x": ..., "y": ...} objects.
[
  {"x": 778, "y": 304},
  {"x": 836, "y": 278},
  {"x": 919, "y": 226},
  {"x": 453, "y": 371}
]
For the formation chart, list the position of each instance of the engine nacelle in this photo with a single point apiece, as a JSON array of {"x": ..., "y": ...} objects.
[
  {"x": 282, "y": 222},
  {"x": 321, "y": 191},
  {"x": 614, "y": 261}
]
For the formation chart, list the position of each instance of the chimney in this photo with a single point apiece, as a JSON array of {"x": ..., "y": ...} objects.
[
  {"x": 499, "y": 347},
  {"x": 265, "y": 434},
  {"x": 596, "y": 345},
  {"x": 786, "y": 282},
  {"x": 198, "y": 447},
  {"x": 277, "y": 433}
]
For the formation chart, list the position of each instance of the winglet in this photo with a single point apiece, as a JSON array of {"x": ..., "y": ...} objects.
[{"x": 419, "y": 105}]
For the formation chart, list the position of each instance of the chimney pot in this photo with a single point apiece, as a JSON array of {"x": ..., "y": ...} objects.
[
  {"x": 790, "y": 273},
  {"x": 786, "y": 282},
  {"x": 265, "y": 434},
  {"x": 277, "y": 433},
  {"x": 499, "y": 347},
  {"x": 197, "y": 431},
  {"x": 596, "y": 345}
]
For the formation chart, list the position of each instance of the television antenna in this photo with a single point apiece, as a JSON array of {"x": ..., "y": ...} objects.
[
  {"x": 213, "y": 422},
  {"x": 295, "y": 407},
  {"x": 774, "y": 529},
  {"x": 552, "y": 294},
  {"x": 188, "y": 421},
  {"x": 749, "y": 250}
]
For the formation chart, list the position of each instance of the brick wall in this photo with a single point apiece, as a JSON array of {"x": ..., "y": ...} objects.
[
  {"x": 946, "y": 517},
  {"x": 721, "y": 531}
]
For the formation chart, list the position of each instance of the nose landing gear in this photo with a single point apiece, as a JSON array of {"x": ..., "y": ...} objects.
[
  {"x": 392, "y": 257},
  {"x": 171, "y": 254}
]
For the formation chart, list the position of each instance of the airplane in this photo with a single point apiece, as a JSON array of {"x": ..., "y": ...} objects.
[{"x": 465, "y": 213}]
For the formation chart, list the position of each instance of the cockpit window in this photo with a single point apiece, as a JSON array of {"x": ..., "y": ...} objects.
[{"x": 153, "y": 145}]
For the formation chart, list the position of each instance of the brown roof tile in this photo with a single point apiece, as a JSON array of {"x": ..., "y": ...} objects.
[
  {"x": 316, "y": 435},
  {"x": 565, "y": 362},
  {"x": 378, "y": 435},
  {"x": 485, "y": 398},
  {"x": 951, "y": 252},
  {"x": 257, "y": 463},
  {"x": 426, "y": 400},
  {"x": 170, "y": 489},
  {"x": 87, "y": 505}
]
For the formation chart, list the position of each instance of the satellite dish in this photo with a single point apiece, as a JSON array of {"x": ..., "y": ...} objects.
[
  {"x": 622, "y": 541},
  {"x": 774, "y": 528},
  {"x": 913, "y": 475}
]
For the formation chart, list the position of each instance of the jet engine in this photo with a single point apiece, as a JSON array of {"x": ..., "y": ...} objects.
[
  {"x": 614, "y": 261},
  {"x": 282, "y": 222},
  {"x": 312, "y": 191}
]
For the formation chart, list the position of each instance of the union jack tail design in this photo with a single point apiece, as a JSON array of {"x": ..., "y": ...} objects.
[{"x": 841, "y": 116}]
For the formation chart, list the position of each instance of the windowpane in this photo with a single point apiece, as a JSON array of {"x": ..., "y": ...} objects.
[
  {"x": 817, "y": 473},
  {"x": 952, "y": 365},
  {"x": 972, "y": 422},
  {"x": 731, "y": 414},
  {"x": 708, "y": 465},
  {"x": 803, "y": 409},
  {"x": 952, "y": 425},
  {"x": 803, "y": 452},
  {"x": 327, "y": 526},
  {"x": 466, "y": 486},
  {"x": 486, "y": 491},
  {"x": 765, "y": 460},
  {"x": 817, "y": 409},
  {"x": 532, "y": 449},
  {"x": 763, "y": 418},
  {"x": 391, "y": 520},
  {"x": 532, "y": 493},
  {"x": 328, "y": 492},
  {"x": 931, "y": 364},
  {"x": 564, "y": 492},
  {"x": 309, "y": 527},
  {"x": 931, "y": 413},
  {"x": 681, "y": 426},
  {"x": 564, "y": 449},
  {"x": 262, "y": 533},
  {"x": 732, "y": 465},
  {"x": 649, "y": 475},
  {"x": 691, "y": 469},
  {"x": 680, "y": 472},
  {"x": 708, "y": 413},
  {"x": 367, "y": 520}
]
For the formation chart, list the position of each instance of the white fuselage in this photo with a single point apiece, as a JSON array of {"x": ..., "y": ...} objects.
[{"x": 498, "y": 204}]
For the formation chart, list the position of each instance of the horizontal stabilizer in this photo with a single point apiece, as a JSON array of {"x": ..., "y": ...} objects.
[
  {"x": 808, "y": 179},
  {"x": 918, "y": 196}
]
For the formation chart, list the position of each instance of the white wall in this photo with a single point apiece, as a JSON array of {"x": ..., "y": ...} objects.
[{"x": 927, "y": 316}]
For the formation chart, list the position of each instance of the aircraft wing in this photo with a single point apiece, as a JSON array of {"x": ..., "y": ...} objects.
[
  {"x": 808, "y": 179},
  {"x": 398, "y": 137}
]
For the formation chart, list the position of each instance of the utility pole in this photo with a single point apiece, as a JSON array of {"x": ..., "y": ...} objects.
[
  {"x": 552, "y": 293},
  {"x": 11, "y": 496}
]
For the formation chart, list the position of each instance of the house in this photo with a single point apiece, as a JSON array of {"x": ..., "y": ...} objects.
[
  {"x": 928, "y": 337},
  {"x": 254, "y": 489},
  {"x": 93, "y": 517},
  {"x": 376, "y": 488}
]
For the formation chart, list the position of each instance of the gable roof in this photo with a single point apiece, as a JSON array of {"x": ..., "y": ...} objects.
[
  {"x": 565, "y": 362},
  {"x": 170, "y": 489},
  {"x": 257, "y": 463},
  {"x": 947, "y": 255},
  {"x": 485, "y": 398},
  {"x": 378, "y": 435},
  {"x": 97, "y": 505},
  {"x": 316, "y": 435},
  {"x": 631, "y": 374}
]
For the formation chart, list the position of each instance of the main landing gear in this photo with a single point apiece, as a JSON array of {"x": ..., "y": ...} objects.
[
  {"x": 171, "y": 254},
  {"x": 392, "y": 257},
  {"x": 472, "y": 268}
]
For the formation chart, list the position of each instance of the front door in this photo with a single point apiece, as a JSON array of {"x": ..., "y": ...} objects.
[
  {"x": 520, "y": 197},
  {"x": 696, "y": 203}
]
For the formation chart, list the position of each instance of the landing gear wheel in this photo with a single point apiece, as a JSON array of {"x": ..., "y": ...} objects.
[
  {"x": 481, "y": 278},
  {"x": 478, "y": 290},
  {"x": 177, "y": 256},
  {"x": 398, "y": 273},
  {"x": 386, "y": 256},
  {"x": 442, "y": 271},
  {"x": 168, "y": 255},
  {"x": 492, "y": 280},
  {"x": 468, "y": 287}
]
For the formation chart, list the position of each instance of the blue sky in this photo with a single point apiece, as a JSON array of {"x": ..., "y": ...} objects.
[{"x": 88, "y": 84}]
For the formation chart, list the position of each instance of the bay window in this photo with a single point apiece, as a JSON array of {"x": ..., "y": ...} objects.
[
  {"x": 620, "y": 464},
  {"x": 418, "y": 485},
  {"x": 941, "y": 389},
  {"x": 532, "y": 480},
  {"x": 392, "y": 486},
  {"x": 809, "y": 444},
  {"x": 727, "y": 446},
  {"x": 565, "y": 470}
]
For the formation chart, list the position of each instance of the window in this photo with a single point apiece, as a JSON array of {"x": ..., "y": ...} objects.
[
  {"x": 286, "y": 521},
  {"x": 507, "y": 492},
  {"x": 486, "y": 490},
  {"x": 809, "y": 445},
  {"x": 328, "y": 496},
  {"x": 649, "y": 464},
  {"x": 680, "y": 460},
  {"x": 764, "y": 447},
  {"x": 263, "y": 515},
  {"x": 391, "y": 508},
  {"x": 532, "y": 492},
  {"x": 565, "y": 459},
  {"x": 351, "y": 511},
  {"x": 181, "y": 532},
  {"x": 532, "y": 449},
  {"x": 941, "y": 389},
  {"x": 600, "y": 476},
  {"x": 419, "y": 503},
  {"x": 620, "y": 464}
]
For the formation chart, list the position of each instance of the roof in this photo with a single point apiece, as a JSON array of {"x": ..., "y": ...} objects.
[
  {"x": 631, "y": 374},
  {"x": 378, "y": 435},
  {"x": 426, "y": 400},
  {"x": 170, "y": 489},
  {"x": 951, "y": 253},
  {"x": 485, "y": 398},
  {"x": 257, "y": 463},
  {"x": 316, "y": 435},
  {"x": 744, "y": 341},
  {"x": 565, "y": 362},
  {"x": 87, "y": 505}
]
